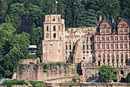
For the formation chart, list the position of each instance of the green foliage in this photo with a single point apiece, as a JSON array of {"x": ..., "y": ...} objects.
[
  {"x": 3, "y": 10},
  {"x": 32, "y": 56},
  {"x": 36, "y": 36},
  {"x": 107, "y": 73},
  {"x": 45, "y": 67},
  {"x": 76, "y": 80},
  {"x": 9, "y": 83},
  {"x": 37, "y": 83},
  {"x": 128, "y": 78},
  {"x": 15, "y": 20},
  {"x": 36, "y": 14}
]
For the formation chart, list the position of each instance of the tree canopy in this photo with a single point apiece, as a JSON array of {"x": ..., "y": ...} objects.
[{"x": 107, "y": 73}]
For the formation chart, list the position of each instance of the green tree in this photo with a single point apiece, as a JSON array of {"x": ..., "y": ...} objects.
[
  {"x": 36, "y": 38},
  {"x": 17, "y": 8},
  {"x": 126, "y": 13},
  {"x": 78, "y": 14},
  {"x": 6, "y": 32},
  {"x": 18, "y": 50},
  {"x": 128, "y": 78},
  {"x": 3, "y": 10},
  {"x": 15, "y": 20},
  {"x": 36, "y": 14},
  {"x": 107, "y": 73},
  {"x": 87, "y": 18}
]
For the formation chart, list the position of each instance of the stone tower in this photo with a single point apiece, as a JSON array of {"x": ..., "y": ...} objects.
[{"x": 53, "y": 41}]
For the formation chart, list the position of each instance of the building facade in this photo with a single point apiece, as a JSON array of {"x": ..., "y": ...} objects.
[{"x": 112, "y": 44}]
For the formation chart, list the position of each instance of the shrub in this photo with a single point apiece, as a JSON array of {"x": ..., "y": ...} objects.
[
  {"x": 37, "y": 83},
  {"x": 9, "y": 83},
  {"x": 75, "y": 80}
]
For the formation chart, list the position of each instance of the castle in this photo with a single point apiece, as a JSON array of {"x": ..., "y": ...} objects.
[
  {"x": 69, "y": 45},
  {"x": 108, "y": 43}
]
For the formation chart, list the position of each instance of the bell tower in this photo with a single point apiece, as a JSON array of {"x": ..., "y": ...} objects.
[
  {"x": 54, "y": 27},
  {"x": 53, "y": 39}
]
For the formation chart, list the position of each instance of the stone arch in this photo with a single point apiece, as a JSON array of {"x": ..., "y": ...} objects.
[
  {"x": 108, "y": 58},
  {"x": 121, "y": 58},
  {"x": 103, "y": 58},
  {"x": 112, "y": 58}
]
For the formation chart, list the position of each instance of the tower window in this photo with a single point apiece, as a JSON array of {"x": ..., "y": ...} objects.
[
  {"x": 59, "y": 28},
  {"x": 47, "y": 35},
  {"x": 54, "y": 28},
  {"x": 54, "y": 35},
  {"x": 66, "y": 47},
  {"x": 83, "y": 47},
  {"x": 70, "y": 47},
  {"x": 47, "y": 28}
]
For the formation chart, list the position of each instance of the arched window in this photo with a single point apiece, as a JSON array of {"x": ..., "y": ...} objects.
[
  {"x": 83, "y": 47},
  {"x": 66, "y": 47},
  {"x": 47, "y": 28},
  {"x": 108, "y": 58},
  {"x": 126, "y": 58},
  {"x": 70, "y": 47},
  {"x": 54, "y": 35},
  {"x": 53, "y": 19},
  {"x": 103, "y": 58},
  {"x": 54, "y": 28},
  {"x": 117, "y": 58},
  {"x": 121, "y": 55},
  {"x": 112, "y": 58}
]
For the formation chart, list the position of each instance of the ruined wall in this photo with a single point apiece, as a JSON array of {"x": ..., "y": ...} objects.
[
  {"x": 91, "y": 72},
  {"x": 45, "y": 72},
  {"x": 53, "y": 51}
]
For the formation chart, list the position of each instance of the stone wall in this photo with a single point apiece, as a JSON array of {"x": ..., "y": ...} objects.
[
  {"x": 80, "y": 85},
  {"x": 87, "y": 85},
  {"x": 91, "y": 73},
  {"x": 46, "y": 72}
]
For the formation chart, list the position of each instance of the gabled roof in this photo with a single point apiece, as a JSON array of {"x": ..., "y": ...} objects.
[{"x": 113, "y": 24}]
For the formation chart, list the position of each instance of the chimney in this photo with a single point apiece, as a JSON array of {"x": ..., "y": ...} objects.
[
  {"x": 112, "y": 20},
  {"x": 100, "y": 18}
]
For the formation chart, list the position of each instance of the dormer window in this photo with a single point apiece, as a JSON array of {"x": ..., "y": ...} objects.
[
  {"x": 125, "y": 30},
  {"x": 53, "y": 19}
]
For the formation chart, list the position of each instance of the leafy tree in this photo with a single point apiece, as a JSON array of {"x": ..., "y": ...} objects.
[
  {"x": 69, "y": 13},
  {"x": 17, "y": 8},
  {"x": 78, "y": 14},
  {"x": 107, "y": 73},
  {"x": 6, "y": 32},
  {"x": 36, "y": 14},
  {"x": 88, "y": 18},
  {"x": 8, "y": 73},
  {"x": 126, "y": 13},
  {"x": 128, "y": 78},
  {"x": 18, "y": 50},
  {"x": 15, "y": 20},
  {"x": 3, "y": 10},
  {"x": 36, "y": 36}
]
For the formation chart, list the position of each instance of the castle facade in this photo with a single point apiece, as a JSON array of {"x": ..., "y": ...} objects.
[
  {"x": 108, "y": 43},
  {"x": 63, "y": 49}
]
